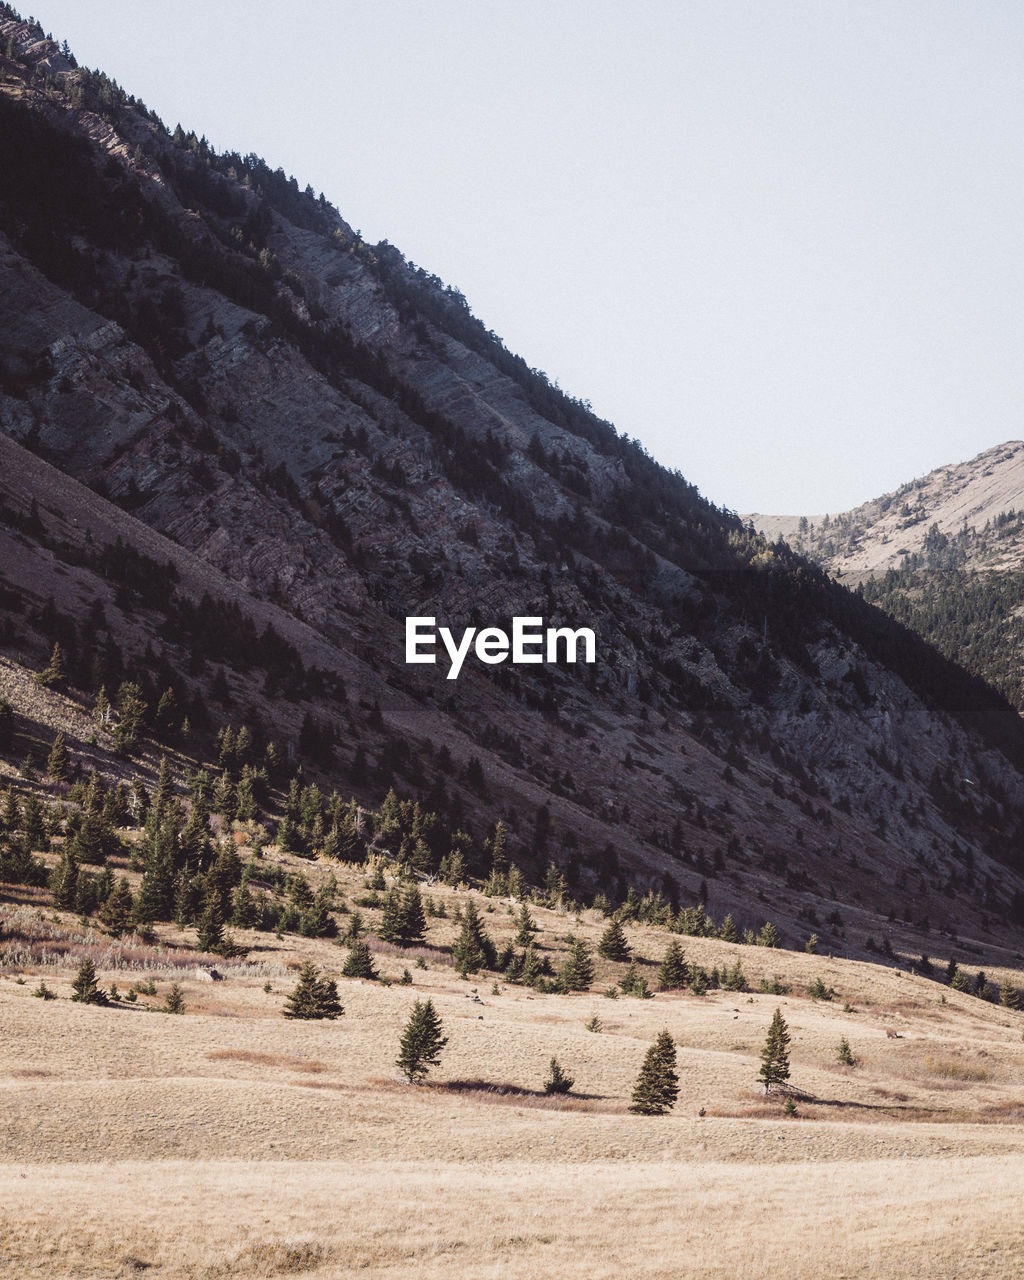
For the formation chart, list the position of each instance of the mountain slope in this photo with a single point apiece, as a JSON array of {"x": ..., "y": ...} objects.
[
  {"x": 978, "y": 496},
  {"x": 943, "y": 554},
  {"x": 206, "y": 362}
]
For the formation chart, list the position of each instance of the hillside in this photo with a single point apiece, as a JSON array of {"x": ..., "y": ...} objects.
[
  {"x": 943, "y": 555},
  {"x": 981, "y": 496},
  {"x": 122, "y": 1124},
  {"x": 239, "y": 448},
  {"x": 320, "y": 438}
]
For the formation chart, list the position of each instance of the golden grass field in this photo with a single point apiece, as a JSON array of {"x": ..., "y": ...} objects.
[{"x": 234, "y": 1142}]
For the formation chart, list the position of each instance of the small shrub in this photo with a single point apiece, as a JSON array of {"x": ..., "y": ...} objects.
[{"x": 595, "y": 1024}]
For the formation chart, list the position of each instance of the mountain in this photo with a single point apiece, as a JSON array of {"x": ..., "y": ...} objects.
[
  {"x": 943, "y": 554},
  {"x": 982, "y": 496},
  {"x": 241, "y": 446}
]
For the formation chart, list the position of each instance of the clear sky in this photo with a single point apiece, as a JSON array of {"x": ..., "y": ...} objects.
[{"x": 778, "y": 242}]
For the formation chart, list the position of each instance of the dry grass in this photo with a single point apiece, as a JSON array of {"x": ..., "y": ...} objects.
[
  {"x": 238, "y": 1143},
  {"x": 954, "y": 1069},
  {"x": 288, "y": 1061},
  {"x": 873, "y": 1220}
]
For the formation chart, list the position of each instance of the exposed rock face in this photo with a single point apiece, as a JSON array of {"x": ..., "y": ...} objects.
[{"x": 202, "y": 360}]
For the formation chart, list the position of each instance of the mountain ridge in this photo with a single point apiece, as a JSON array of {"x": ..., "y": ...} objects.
[
  {"x": 878, "y": 534},
  {"x": 328, "y": 427}
]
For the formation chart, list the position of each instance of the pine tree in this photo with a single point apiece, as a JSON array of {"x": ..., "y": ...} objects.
[
  {"x": 64, "y": 879},
  {"x": 473, "y": 949},
  {"x": 85, "y": 986},
  {"x": 657, "y": 1086},
  {"x": 53, "y": 676},
  {"x": 557, "y": 1081},
  {"x": 633, "y": 983},
  {"x": 525, "y": 926},
  {"x": 57, "y": 760},
  {"x": 577, "y": 972},
  {"x": 1009, "y": 997},
  {"x": 613, "y": 944},
  {"x": 211, "y": 924},
  {"x": 844, "y": 1054},
  {"x": 499, "y": 850},
  {"x": 359, "y": 963},
  {"x": 412, "y": 927},
  {"x": 531, "y": 967},
  {"x": 769, "y": 936},
  {"x": 130, "y": 712},
  {"x": 674, "y": 970},
  {"x": 390, "y": 926},
  {"x": 421, "y": 1043},
  {"x": 118, "y": 910},
  {"x": 313, "y": 997},
  {"x": 775, "y": 1054},
  {"x": 961, "y": 982},
  {"x": 175, "y": 1000}
]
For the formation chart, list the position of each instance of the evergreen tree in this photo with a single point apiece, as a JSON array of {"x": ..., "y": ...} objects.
[
  {"x": 245, "y": 798},
  {"x": 961, "y": 982},
  {"x": 211, "y": 924},
  {"x": 674, "y": 970},
  {"x": 156, "y": 892},
  {"x": 53, "y": 675},
  {"x": 657, "y": 1086},
  {"x": 313, "y": 997},
  {"x": 390, "y": 926},
  {"x": 473, "y": 949},
  {"x": 412, "y": 926},
  {"x": 634, "y": 983},
  {"x": 844, "y": 1054},
  {"x": 557, "y": 1081},
  {"x": 728, "y": 930},
  {"x": 118, "y": 910},
  {"x": 499, "y": 850},
  {"x": 531, "y": 967},
  {"x": 64, "y": 879},
  {"x": 421, "y": 1043},
  {"x": 350, "y": 847},
  {"x": 526, "y": 927},
  {"x": 85, "y": 987},
  {"x": 1009, "y": 996},
  {"x": 131, "y": 708},
  {"x": 613, "y": 944},
  {"x": 734, "y": 979},
  {"x": 577, "y": 972},
  {"x": 175, "y": 1000},
  {"x": 359, "y": 963},
  {"x": 769, "y": 936},
  {"x": 57, "y": 760},
  {"x": 775, "y": 1054}
]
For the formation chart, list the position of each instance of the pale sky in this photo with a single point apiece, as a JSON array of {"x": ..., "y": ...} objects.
[{"x": 780, "y": 243}]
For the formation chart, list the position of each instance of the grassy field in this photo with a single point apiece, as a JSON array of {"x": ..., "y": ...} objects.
[{"x": 234, "y": 1142}]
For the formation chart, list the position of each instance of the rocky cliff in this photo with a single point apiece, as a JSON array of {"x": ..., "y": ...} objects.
[{"x": 225, "y": 414}]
